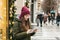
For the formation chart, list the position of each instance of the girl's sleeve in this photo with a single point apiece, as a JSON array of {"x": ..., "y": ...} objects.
[{"x": 22, "y": 35}]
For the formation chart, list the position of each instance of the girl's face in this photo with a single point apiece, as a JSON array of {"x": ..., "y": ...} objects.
[{"x": 26, "y": 16}]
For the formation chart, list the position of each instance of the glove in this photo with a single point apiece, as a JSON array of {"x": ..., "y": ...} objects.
[{"x": 29, "y": 31}]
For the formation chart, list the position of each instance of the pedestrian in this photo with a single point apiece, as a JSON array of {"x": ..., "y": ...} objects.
[
  {"x": 52, "y": 18},
  {"x": 52, "y": 12},
  {"x": 58, "y": 19},
  {"x": 41, "y": 19},
  {"x": 49, "y": 17},
  {"x": 24, "y": 31},
  {"x": 45, "y": 18}
]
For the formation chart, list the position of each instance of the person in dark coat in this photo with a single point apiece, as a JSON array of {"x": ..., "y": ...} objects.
[
  {"x": 41, "y": 19},
  {"x": 52, "y": 18},
  {"x": 58, "y": 19},
  {"x": 24, "y": 31},
  {"x": 49, "y": 17},
  {"x": 52, "y": 15}
]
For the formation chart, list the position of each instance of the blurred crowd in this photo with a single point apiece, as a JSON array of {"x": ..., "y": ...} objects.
[{"x": 50, "y": 16}]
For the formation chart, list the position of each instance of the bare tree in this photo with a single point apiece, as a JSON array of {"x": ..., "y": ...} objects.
[{"x": 47, "y": 5}]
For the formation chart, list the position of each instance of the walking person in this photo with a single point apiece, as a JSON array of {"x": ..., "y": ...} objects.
[
  {"x": 52, "y": 18},
  {"x": 45, "y": 18},
  {"x": 58, "y": 19},
  {"x": 52, "y": 15},
  {"x": 49, "y": 17},
  {"x": 41, "y": 19},
  {"x": 52, "y": 12}
]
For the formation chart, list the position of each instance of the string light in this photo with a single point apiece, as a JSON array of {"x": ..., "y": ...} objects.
[
  {"x": 12, "y": 22},
  {"x": 11, "y": 8},
  {"x": 11, "y": 15}
]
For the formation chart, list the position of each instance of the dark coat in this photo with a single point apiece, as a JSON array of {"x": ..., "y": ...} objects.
[
  {"x": 58, "y": 18},
  {"x": 20, "y": 34},
  {"x": 41, "y": 17}
]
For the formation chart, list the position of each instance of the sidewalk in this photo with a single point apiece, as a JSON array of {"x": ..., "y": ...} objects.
[{"x": 47, "y": 32}]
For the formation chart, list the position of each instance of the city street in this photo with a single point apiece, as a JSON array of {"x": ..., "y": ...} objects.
[
  {"x": 47, "y": 32},
  {"x": 16, "y": 16}
]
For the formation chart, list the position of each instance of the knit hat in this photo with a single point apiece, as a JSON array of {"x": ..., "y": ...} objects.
[{"x": 24, "y": 11}]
